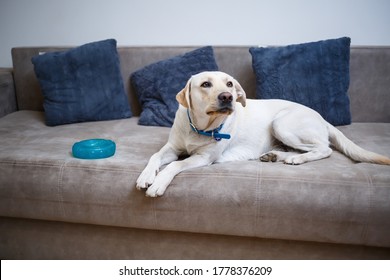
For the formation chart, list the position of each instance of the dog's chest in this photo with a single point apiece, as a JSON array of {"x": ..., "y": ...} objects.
[{"x": 198, "y": 144}]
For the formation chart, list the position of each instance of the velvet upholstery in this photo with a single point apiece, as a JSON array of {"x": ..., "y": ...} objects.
[
  {"x": 55, "y": 206},
  {"x": 28, "y": 239},
  {"x": 368, "y": 75},
  {"x": 314, "y": 74},
  {"x": 243, "y": 198},
  {"x": 7, "y": 92},
  {"x": 158, "y": 83},
  {"x": 82, "y": 84}
]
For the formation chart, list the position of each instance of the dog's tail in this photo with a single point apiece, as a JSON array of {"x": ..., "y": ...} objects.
[{"x": 350, "y": 149}]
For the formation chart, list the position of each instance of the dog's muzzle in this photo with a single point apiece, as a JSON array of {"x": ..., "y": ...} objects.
[
  {"x": 225, "y": 104},
  {"x": 225, "y": 100}
]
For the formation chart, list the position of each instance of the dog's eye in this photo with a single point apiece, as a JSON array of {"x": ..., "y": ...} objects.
[
  {"x": 206, "y": 85},
  {"x": 229, "y": 84}
]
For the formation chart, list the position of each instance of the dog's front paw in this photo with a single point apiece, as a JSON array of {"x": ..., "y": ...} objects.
[
  {"x": 159, "y": 185},
  {"x": 146, "y": 178},
  {"x": 155, "y": 191}
]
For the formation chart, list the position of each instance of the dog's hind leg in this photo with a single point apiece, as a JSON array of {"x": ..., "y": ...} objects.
[
  {"x": 310, "y": 152},
  {"x": 303, "y": 132},
  {"x": 317, "y": 153},
  {"x": 276, "y": 155}
]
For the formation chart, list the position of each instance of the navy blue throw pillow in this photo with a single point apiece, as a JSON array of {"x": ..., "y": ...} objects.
[
  {"x": 313, "y": 74},
  {"x": 82, "y": 84},
  {"x": 157, "y": 84}
]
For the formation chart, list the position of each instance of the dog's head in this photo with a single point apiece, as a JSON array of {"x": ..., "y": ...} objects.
[{"x": 211, "y": 97}]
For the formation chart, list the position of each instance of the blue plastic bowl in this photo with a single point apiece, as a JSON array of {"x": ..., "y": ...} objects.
[{"x": 94, "y": 149}]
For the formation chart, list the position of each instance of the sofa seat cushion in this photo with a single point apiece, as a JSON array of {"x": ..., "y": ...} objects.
[{"x": 332, "y": 200}]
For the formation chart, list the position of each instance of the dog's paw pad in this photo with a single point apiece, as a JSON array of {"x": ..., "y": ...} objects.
[
  {"x": 142, "y": 186},
  {"x": 269, "y": 157}
]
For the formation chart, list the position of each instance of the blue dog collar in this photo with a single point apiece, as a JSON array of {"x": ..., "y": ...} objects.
[{"x": 210, "y": 133}]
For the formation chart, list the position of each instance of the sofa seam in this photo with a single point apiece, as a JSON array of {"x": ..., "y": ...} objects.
[
  {"x": 187, "y": 175},
  {"x": 364, "y": 233},
  {"x": 60, "y": 191},
  {"x": 269, "y": 178},
  {"x": 258, "y": 189}
]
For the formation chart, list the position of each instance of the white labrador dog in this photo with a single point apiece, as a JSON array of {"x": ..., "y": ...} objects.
[{"x": 216, "y": 123}]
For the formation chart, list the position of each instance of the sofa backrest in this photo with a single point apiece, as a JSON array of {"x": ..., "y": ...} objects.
[{"x": 369, "y": 89}]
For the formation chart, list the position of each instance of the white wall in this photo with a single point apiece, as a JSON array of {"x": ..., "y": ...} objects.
[{"x": 190, "y": 22}]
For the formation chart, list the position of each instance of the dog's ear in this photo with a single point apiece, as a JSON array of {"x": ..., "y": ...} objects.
[
  {"x": 181, "y": 97},
  {"x": 241, "y": 95}
]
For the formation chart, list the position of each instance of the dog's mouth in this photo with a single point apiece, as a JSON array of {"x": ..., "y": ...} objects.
[{"x": 220, "y": 111}]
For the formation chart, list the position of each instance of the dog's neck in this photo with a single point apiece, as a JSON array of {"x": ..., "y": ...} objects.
[
  {"x": 206, "y": 122},
  {"x": 214, "y": 133}
]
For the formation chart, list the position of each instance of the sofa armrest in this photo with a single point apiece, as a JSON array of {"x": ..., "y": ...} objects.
[{"x": 7, "y": 92}]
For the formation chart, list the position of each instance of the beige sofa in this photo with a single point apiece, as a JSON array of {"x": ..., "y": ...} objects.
[{"x": 54, "y": 206}]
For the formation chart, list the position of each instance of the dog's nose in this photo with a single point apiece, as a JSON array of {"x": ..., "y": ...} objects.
[{"x": 225, "y": 97}]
